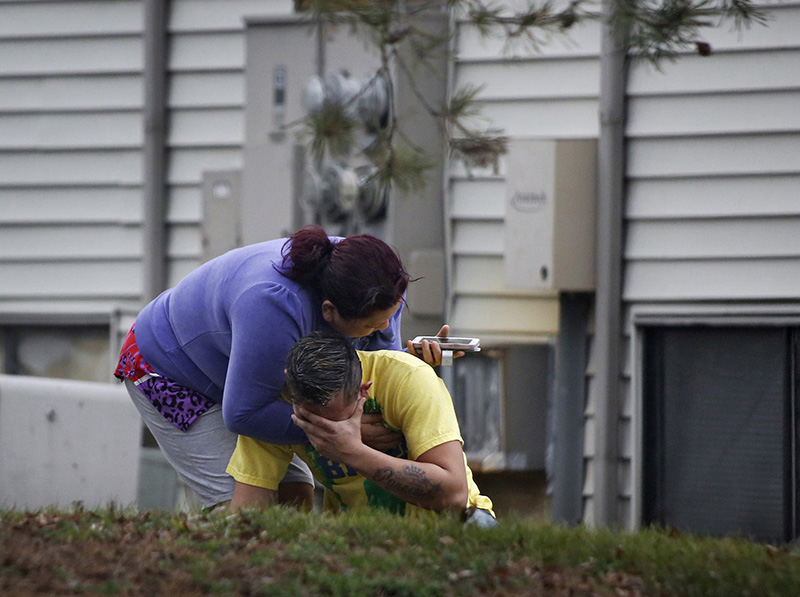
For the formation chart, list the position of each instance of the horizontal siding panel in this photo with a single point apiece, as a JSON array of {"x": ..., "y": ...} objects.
[
  {"x": 759, "y": 154},
  {"x": 185, "y": 204},
  {"x": 213, "y": 15},
  {"x": 71, "y": 56},
  {"x": 184, "y": 241},
  {"x": 93, "y": 205},
  {"x": 478, "y": 237},
  {"x": 699, "y": 239},
  {"x": 478, "y": 199},
  {"x": 482, "y": 275},
  {"x": 733, "y": 72},
  {"x": 580, "y": 40},
  {"x": 563, "y": 119},
  {"x": 508, "y": 315},
  {"x": 186, "y": 166},
  {"x": 779, "y": 32},
  {"x": 206, "y": 89},
  {"x": 209, "y": 51},
  {"x": 66, "y": 131},
  {"x": 101, "y": 279},
  {"x": 112, "y": 205},
  {"x": 65, "y": 243},
  {"x": 72, "y": 308},
  {"x": 709, "y": 114},
  {"x": 206, "y": 127},
  {"x": 716, "y": 197},
  {"x": 102, "y": 92},
  {"x": 532, "y": 78},
  {"x": 52, "y": 19},
  {"x": 86, "y": 167},
  {"x": 731, "y": 279}
]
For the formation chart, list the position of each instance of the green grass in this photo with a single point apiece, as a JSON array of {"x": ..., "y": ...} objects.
[{"x": 282, "y": 552}]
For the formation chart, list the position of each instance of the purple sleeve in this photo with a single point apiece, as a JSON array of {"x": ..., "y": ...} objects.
[{"x": 266, "y": 321}]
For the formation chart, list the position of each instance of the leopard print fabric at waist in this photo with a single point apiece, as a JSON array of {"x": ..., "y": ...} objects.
[{"x": 178, "y": 404}]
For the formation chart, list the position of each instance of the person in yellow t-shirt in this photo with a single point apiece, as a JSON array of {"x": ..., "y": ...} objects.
[{"x": 330, "y": 385}]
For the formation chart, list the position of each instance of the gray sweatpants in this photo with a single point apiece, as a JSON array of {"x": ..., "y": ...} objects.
[{"x": 201, "y": 454}]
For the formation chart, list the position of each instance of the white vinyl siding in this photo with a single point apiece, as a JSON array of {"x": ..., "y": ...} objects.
[
  {"x": 72, "y": 134},
  {"x": 714, "y": 169},
  {"x": 70, "y": 154},
  {"x": 206, "y": 108},
  {"x": 756, "y": 195},
  {"x": 713, "y": 181},
  {"x": 549, "y": 92}
]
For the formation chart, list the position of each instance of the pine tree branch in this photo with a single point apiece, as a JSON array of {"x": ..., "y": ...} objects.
[{"x": 655, "y": 30}]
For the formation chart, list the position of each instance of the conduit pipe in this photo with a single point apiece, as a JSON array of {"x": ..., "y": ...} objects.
[
  {"x": 569, "y": 407},
  {"x": 154, "y": 213},
  {"x": 608, "y": 300}
]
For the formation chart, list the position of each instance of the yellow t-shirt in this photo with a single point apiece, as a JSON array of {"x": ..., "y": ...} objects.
[{"x": 411, "y": 398}]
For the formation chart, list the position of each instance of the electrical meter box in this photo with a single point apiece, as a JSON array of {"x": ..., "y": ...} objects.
[
  {"x": 284, "y": 57},
  {"x": 550, "y": 204}
]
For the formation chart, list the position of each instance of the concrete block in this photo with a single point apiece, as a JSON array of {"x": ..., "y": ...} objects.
[{"x": 63, "y": 441}]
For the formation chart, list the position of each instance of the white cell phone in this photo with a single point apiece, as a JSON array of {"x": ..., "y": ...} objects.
[{"x": 449, "y": 343}]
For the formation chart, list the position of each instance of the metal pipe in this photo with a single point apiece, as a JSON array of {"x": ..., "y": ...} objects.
[
  {"x": 568, "y": 407},
  {"x": 608, "y": 300},
  {"x": 154, "y": 233}
]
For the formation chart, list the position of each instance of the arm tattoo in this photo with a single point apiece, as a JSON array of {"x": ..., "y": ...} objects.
[{"x": 409, "y": 482}]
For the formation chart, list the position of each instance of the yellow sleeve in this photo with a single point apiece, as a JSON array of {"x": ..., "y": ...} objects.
[
  {"x": 258, "y": 463},
  {"x": 414, "y": 400}
]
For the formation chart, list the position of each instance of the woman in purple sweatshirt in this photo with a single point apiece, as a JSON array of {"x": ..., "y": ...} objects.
[{"x": 205, "y": 360}]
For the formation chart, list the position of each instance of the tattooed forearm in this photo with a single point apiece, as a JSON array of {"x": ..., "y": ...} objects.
[{"x": 410, "y": 483}]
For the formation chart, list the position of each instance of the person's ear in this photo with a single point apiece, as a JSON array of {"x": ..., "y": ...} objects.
[
  {"x": 328, "y": 311},
  {"x": 363, "y": 390}
]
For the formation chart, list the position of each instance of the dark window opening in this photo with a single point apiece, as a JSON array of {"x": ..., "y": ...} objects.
[{"x": 720, "y": 430}]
